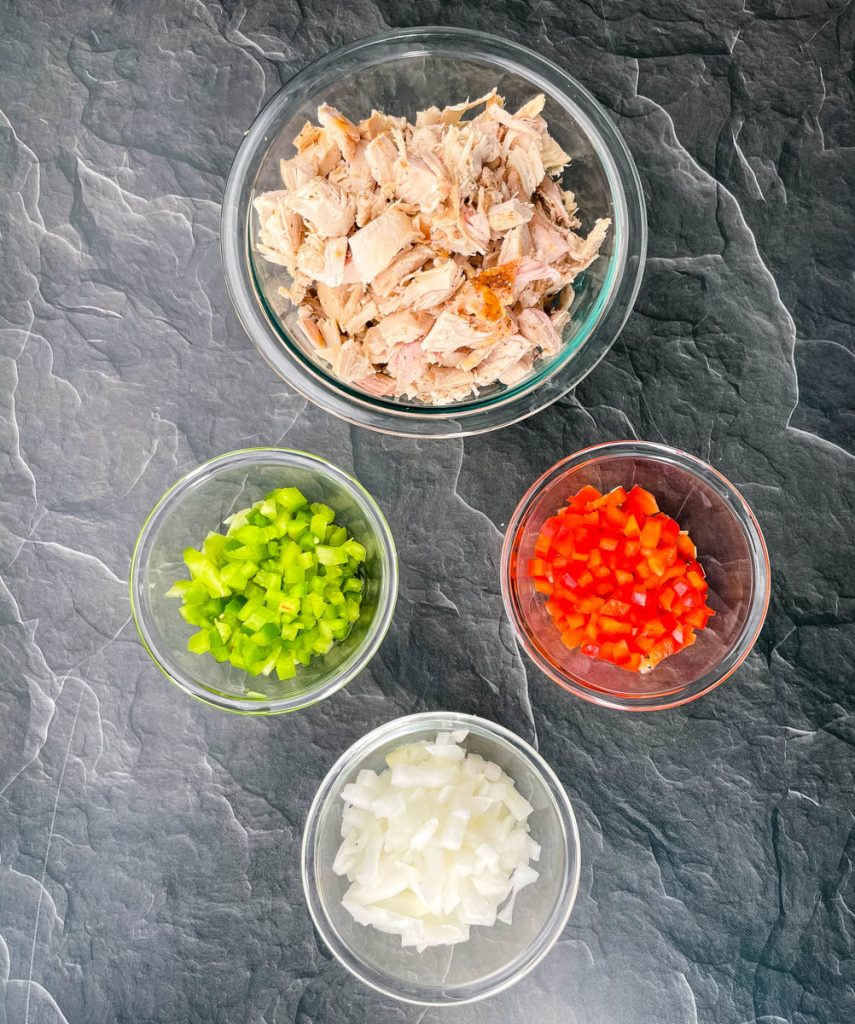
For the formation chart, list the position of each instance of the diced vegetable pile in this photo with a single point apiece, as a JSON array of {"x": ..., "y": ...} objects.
[
  {"x": 435, "y": 843},
  {"x": 623, "y": 580},
  {"x": 280, "y": 587}
]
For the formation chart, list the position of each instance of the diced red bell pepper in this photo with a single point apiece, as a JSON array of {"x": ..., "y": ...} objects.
[
  {"x": 642, "y": 501},
  {"x": 650, "y": 534},
  {"x": 622, "y": 581}
]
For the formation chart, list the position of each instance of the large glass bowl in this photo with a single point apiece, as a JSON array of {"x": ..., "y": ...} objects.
[
  {"x": 493, "y": 958},
  {"x": 198, "y": 504},
  {"x": 730, "y": 547},
  {"x": 402, "y": 72}
]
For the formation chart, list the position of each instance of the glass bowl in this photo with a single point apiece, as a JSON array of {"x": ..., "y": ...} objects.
[
  {"x": 493, "y": 958},
  {"x": 198, "y": 504},
  {"x": 402, "y": 72},
  {"x": 730, "y": 547}
]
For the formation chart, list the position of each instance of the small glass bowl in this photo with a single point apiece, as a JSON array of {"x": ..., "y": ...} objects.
[
  {"x": 493, "y": 958},
  {"x": 198, "y": 504},
  {"x": 402, "y": 72},
  {"x": 730, "y": 547}
]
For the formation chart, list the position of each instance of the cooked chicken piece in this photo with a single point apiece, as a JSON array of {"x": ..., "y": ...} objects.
[
  {"x": 424, "y": 259},
  {"x": 516, "y": 124},
  {"x": 423, "y": 181},
  {"x": 451, "y": 332},
  {"x": 519, "y": 371},
  {"x": 369, "y": 205},
  {"x": 296, "y": 172},
  {"x": 429, "y": 288},
  {"x": 394, "y": 331},
  {"x": 365, "y": 314},
  {"x": 381, "y": 155},
  {"x": 322, "y": 154},
  {"x": 343, "y": 303},
  {"x": 280, "y": 229},
  {"x": 402, "y": 266},
  {"x": 560, "y": 312},
  {"x": 508, "y": 215},
  {"x": 379, "y": 242},
  {"x": 407, "y": 363},
  {"x": 323, "y": 259},
  {"x": 375, "y": 125},
  {"x": 309, "y": 327},
  {"x": 529, "y": 270},
  {"x": 552, "y": 156},
  {"x": 306, "y": 136},
  {"x": 343, "y": 132},
  {"x": 453, "y": 114},
  {"x": 517, "y": 243},
  {"x": 377, "y": 384},
  {"x": 503, "y": 356},
  {"x": 432, "y": 115},
  {"x": 536, "y": 327},
  {"x": 533, "y": 107},
  {"x": 527, "y": 168},
  {"x": 552, "y": 198},
  {"x": 350, "y": 362},
  {"x": 329, "y": 211},
  {"x": 586, "y": 252},
  {"x": 550, "y": 243}
]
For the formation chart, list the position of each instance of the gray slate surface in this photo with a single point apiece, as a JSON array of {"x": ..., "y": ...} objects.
[{"x": 148, "y": 845}]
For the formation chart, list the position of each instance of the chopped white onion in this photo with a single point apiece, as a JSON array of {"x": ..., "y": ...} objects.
[{"x": 434, "y": 844}]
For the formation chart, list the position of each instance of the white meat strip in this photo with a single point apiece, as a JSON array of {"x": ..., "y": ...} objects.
[
  {"x": 429, "y": 288},
  {"x": 343, "y": 132},
  {"x": 395, "y": 331},
  {"x": 511, "y": 214},
  {"x": 381, "y": 155},
  {"x": 379, "y": 242},
  {"x": 321, "y": 204},
  {"x": 451, "y": 332},
  {"x": 536, "y": 327}
]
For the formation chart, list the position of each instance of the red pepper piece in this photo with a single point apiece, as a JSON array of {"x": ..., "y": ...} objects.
[
  {"x": 686, "y": 548},
  {"x": 643, "y": 501},
  {"x": 651, "y": 533}
]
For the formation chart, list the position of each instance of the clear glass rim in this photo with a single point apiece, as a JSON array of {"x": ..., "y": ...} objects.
[
  {"x": 360, "y": 657},
  {"x": 761, "y": 574},
  {"x": 400, "y": 728},
  {"x": 573, "y": 363}
]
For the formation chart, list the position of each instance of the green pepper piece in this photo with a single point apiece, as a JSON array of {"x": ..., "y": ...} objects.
[
  {"x": 199, "y": 643},
  {"x": 355, "y": 550},
  {"x": 285, "y": 667},
  {"x": 179, "y": 588},
  {"x": 336, "y": 536},
  {"x": 331, "y": 556},
  {"x": 266, "y": 635},
  {"x": 288, "y": 498},
  {"x": 353, "y": 586},
  {"x": 203, "y": 569},
  {"x": 213, "y": 546}
]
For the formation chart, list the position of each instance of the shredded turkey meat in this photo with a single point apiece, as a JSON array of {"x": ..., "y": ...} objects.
[{"x": 429, "y": 261}]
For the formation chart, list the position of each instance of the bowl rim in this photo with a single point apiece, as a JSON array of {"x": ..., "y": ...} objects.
[
  {"x": 730, "y": 495},
  {"x": 355, "y": 755},
  {"x": 610, "y": 309},
  {"x": 361, "y": 656}
]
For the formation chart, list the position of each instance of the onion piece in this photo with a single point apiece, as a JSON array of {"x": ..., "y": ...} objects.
[{"x": 435, "y": 843}]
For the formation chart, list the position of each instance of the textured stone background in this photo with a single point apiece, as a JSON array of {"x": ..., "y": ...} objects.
[{"x": 148, "y": 846}]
